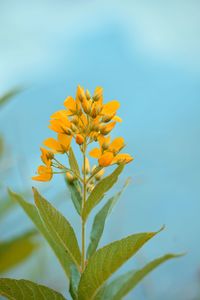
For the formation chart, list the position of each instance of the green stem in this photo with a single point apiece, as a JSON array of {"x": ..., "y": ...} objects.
[{"x": 83, "y": 205}]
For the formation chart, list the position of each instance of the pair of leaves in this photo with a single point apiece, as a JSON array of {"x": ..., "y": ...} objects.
[
  {"x": 123, "y": 284},
  {"x": 53, "y": 227},
  {"x": 106, "y": 261},
  {"x": 16, "y": 250},
  {"x": 25, "y": 289}
]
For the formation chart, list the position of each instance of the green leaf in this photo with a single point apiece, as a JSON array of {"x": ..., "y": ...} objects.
[
  {"x": 100, "y": 189},
  {"x": 24, "y": 289},
  {"x": 1, "y": 146},
  {"x": 99, "y": 222},
  {"x": 5, "y": 206},
  {"x": 74, "y": 282},
  {"x": 16, "y": 250},
  {"x": 107, "y": 260},
  {"x": 123, "y": 284},
  {"x": 75, "y": 193},
  {"x": 73, "y": 162},
  {"x": 58, "y": 227},
  {"x": 33, "y": 214},
  {"x": 9, "y": 95}
]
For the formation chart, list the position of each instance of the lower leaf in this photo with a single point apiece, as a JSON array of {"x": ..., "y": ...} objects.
[
  {"x": 106, "y": 261},
  {"x": 24, "y": 289},
  {"x": 123, "y": 284},
  {"x": 16, "y": 250}
]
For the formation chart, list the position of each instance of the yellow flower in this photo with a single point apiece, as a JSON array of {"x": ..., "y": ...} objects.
[
  {"x": 46, "y": 156},
  {"x": 107, "y": 154},
  {"x": 85, "y": 119},
  {"x": 44, "y": 174},
  {"x": 61, "y": 145}
]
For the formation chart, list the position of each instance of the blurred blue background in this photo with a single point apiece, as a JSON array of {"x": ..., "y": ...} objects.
[{"x": 146, "y": 54}]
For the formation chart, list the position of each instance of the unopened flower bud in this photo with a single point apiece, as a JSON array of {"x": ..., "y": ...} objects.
[
  {"x": 79, "y": 139},
  {"x": 93, "y": 113},
  {"x": 107, "y": 128},
  {"x": 99, "y": 175},
  {"x": 74, "y": 120},
  {"x": 87, "y": 94},
  {"x": 90, "y": 188},
  {"x": 87, "y": 166},
  {"x": 86, "y": 105},
  {"x": 67, "y": 131},
  {"x": 95, "y": 127},
  {"x": 74, "y": 128},
  {"x": 70, "y": 178},
  {"x": 98, "y": 94},
  {"x": 105, "y": 145},
  {"x": 107, "y": 118},
  {"x": 93, "y": 169},
  {"x": 80, "y": 93},
  {"x": 95, "y": 137}
]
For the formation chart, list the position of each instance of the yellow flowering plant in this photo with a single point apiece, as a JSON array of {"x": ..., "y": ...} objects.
[{"x": 86, "y": 120}]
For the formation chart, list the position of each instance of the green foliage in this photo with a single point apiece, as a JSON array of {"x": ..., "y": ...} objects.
[
  {"x": 4, "y": 99},
  {"x": 123, "y": 284},
  {"x": 73, "y": 162},
  {"x": 99, "y": 222},
  {"x": 74, "y": 282},
  {"x": 58, "y": 248},
  {"x": 25, "y": 289},
  {"x": 75, "y": 191},
  {"x": 107, "y": 260},
  {"x": 88, "y": 279},
  {"x": 6, "y": 204},
  {"x": 16, "y": 250},
  {"x": 58, "y": 227},
  {"x": 100, "y": 189}
]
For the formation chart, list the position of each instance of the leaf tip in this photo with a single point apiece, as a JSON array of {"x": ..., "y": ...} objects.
[{"x": 35, "y": 194}]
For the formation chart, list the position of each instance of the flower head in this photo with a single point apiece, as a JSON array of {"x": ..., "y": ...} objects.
[{"x": 84, "y": 119}]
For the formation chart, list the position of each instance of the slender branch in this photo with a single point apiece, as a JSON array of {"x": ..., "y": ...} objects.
[
  {"x": 83, "y": 206},
  {"x": 68, "y": 170}
]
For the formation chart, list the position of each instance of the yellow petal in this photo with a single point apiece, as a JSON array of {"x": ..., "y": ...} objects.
[
  {"x": 70, "y": 104},
  {"x": 65, "y": 141},
  {"x": 106, "y": 159},
  {"x": 110, "y": 107},
  {"x": 54, "y": 145},
  {"x": 60, "y": 114},
  {"x": 45, "y": 174},
  {"x": 96, "y": 153},
  {"x": 60, "y": 125},
  {"x": 46, "y": 156},
  {"x": 123, "y": 158},
  {"x": 117, "y": 119},
  {"x": 117, "y": 144}
]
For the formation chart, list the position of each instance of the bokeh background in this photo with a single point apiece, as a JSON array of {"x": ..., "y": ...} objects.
[{"x": 146, "y": 54}]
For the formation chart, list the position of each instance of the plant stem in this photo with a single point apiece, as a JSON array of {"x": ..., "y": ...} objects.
[{"x": 83, "y": 205}]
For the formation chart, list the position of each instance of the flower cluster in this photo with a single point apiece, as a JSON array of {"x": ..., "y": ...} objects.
[{"x": 85, "y": 119}]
